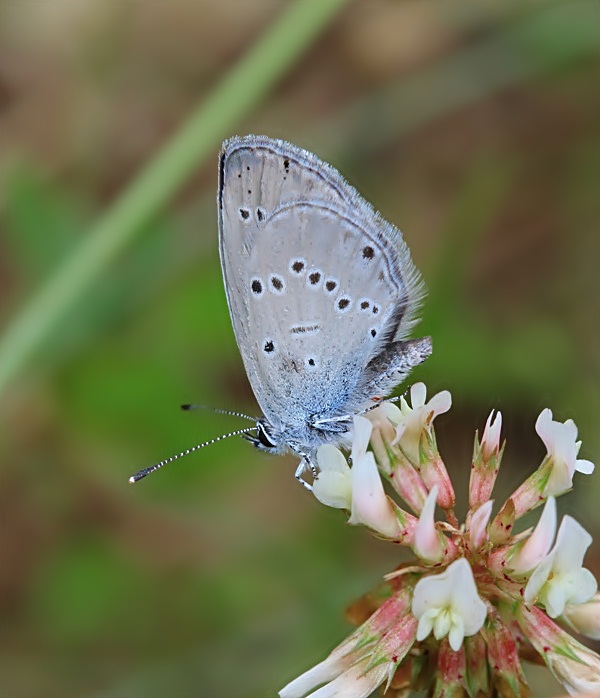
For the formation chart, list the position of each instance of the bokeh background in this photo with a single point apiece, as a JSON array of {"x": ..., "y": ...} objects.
[{"x": 472, "y": 126}]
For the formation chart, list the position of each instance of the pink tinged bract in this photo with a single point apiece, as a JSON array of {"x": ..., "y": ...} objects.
[
  {"x": 560, "y": 579},
  {"x": 449, "y": 604},
  {"x": 575, "y": 666},
  {"x": 531, "y": 552},
  {"x": 561, "y": 442}
]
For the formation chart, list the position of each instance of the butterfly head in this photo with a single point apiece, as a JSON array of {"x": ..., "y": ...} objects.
[{"x": 266, "y": 438}]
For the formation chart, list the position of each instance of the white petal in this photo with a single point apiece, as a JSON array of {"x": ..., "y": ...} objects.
[
  {"x": 432, "y": 592},
  {"x": 457, "y": 634},
  {"x": 443, "y": 624},
  {"x": 538, "y": 544},
  {"x": 360, "y": 439},
  {"x": 334, "y": 489},
  {"x": 354, "y": 683},
  {"x": 572, "y": 541},
  {"x": 465, "y": 599},
  {"x": 418, "y": 394},
  {"x": 543, "y": 427},
  {"x": 538, "y": 578},
  {"x": 426, "y": 622},
  {"x": 554, "y": 599},
  {"x": 387, "y": 410},
  {"x": 440, "y": 403},
  {"x": 427, "y": 544},
  {"x": 584, "y": 466},
  {"x": 320, "y": 673},
  {"x": 330, "y": 458},
  {"x": 370, "y": 505},
  {"x": 584, "y": 587}
]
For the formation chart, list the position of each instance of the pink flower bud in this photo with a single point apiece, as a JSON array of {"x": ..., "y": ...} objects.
[
  {"x": 478, "y": 525},
  {"x": 407, "y": 482},
  {"x": 477, "y": 668},
  {"x": 490, "y": 441},
  {"x": 575, "y": 666},
  {"x": 534, "y": 549},
  {"x": 585, "y": 617},
  {"x": 486, "y": 462},
  {"x": 365, "y": 660},
  {"x": 503, "y": 656},
  {"x": 428, "y": 543},
  {"x": 451, "y": 671},
  {"x": 502, "y": 526},
  {"x": 433, "y": 471}
]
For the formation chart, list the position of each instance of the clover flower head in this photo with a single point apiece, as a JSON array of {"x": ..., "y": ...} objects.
[
  {"x": 478, "y": 598},
  {"x": 560, "y": 439}
]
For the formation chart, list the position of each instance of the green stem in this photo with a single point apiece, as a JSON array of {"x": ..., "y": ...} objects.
[{"x": 241, "y": 90}]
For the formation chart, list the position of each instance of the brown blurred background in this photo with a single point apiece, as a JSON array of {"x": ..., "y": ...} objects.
[{"x": 472, "y": 126}]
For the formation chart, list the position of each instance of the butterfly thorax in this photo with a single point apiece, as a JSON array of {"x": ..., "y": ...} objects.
[{"x": 300, "y": 439}]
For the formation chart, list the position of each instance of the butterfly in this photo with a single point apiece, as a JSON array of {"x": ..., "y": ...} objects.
[{"x": 322, "y": 294}]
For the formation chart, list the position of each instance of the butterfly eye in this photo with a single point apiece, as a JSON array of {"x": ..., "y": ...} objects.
[{"x": 263, "y": 437}]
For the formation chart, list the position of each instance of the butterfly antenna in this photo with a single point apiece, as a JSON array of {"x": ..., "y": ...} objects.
[
  {"x": 146, "y": 471},
  {"x": 194, "y": 406}
]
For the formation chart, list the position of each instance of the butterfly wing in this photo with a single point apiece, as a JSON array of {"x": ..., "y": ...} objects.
[{"x": 317, "y": 283}]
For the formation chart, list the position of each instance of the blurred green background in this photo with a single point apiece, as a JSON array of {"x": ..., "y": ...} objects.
[{"x": 472, "y": 126}]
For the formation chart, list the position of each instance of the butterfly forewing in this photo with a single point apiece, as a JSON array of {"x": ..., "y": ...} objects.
[{"x": 317, "y": 283}]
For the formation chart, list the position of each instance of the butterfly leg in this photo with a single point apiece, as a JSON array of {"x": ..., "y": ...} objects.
[{"x": 304, "y": 466}]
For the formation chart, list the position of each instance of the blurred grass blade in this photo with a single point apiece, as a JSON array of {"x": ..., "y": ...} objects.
[{"x": 240, "y": 91}]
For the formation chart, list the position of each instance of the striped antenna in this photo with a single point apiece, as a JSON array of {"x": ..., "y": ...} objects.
[
  {"x": 193, "y": 406},
  {"x": 146, "y": 471}
]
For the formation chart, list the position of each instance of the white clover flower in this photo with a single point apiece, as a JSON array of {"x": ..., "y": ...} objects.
[
  {"x": 358, "y": 489},
  {"x": 560, "y": 579},
  {"x": 561, "y": 442},
  {"x": 385, "y": 417},
  {"x": 536, "y": 547},
  {"x": 417, "y": 416},
  {"x": 333, "y": 486},
  {"x": 449, "y": 604}
]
